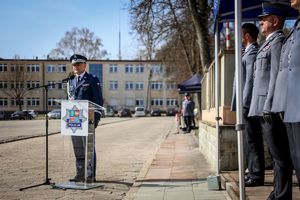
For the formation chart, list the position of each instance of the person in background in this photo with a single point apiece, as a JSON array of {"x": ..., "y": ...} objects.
[
  {"x": 83, "y": 87},
  {"x": 265, "y": 74},
  {"x": 187, "y": 112},
  {"x": 254, "y": 147},
  {"x": 292, "y": 104}
]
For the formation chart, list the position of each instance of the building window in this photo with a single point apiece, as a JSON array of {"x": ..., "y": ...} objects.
[
  {"x": 33, "y": 67},
  {"x": 61, "y": 68},
  {"x": 139, "y": 102},
  {"x": 171, "y": 86},
  {"x": 129, "y": 85},
  {"x": 3, "y": 101},
  {"x": 113, "y": 85},
  {"x": 33, "y": 101},
  {"x": 3, "y": 84},
  {"x": 157, "y": 69},
  {"x": 50, "y": 68},
  {"x": 172, "y": 102},
  {"x": 19, "y": 68},
  {"x": 15, "y": 102},
  {"x": 14, "y": 85},
  {"x": 51, "y": 84},
  {"x": 128, "y": 68},
  {"x": 139, "y": 85},
  {"x": 33, "y": 84},
  {"x": 113, "y": 68},
  {"x": 157, "y": 102},
  {"x": 156, "y": 85},
  {"x": 97, "y": 70},
  {"x": 3, "y": 67},
  {"x": 139, "y": 69},
  {"x": 51, "y": 102}
]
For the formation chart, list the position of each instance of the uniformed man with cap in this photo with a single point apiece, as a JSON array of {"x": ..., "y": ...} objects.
[
  {"x": 265, "y": 74},
  {"x": 84, "y": 86}
]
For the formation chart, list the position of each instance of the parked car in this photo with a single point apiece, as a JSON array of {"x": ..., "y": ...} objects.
[
  {"x": 139, "y": 112},
  {"x": 21, "y": 115},
  {"x": 110, "y": 113},
  {"x": 54, "y": 114},
  {"x": 124, "y": 113},
  {"x": 171, "y": 112},
  {"x": 4, "y": 115},
  {"x": 155, "y": 112},
  {"x": 32, "y": 113}
]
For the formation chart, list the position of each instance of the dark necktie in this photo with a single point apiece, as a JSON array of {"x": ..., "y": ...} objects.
[{"x": 78, "y": 80}]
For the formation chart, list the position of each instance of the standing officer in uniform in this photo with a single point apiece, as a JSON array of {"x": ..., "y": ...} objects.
[
  {"x": 266, "y": 69},
  {"x": 254, "y": 149},
  {"x": 292, "y": 111},
  {"x": 83, "y": 87}
]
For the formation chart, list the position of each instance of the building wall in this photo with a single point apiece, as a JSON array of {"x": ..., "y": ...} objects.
[{"x": 128, "y": 72}]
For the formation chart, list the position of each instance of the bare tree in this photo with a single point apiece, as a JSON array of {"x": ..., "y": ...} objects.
[
  {"x": 159, "y": 22},
  {"x": 17, "y": 78},
  {"x": 81, "y": 41}
]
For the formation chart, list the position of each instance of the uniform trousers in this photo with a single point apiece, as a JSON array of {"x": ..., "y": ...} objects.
[
  {"x": 79, "y": 143},
  {"x": 275, "y": 135},
  {"x": 254, "y": 148},
  {"x": 293, "y": 131}
]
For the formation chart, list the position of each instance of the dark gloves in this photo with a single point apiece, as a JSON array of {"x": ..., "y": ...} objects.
[
  {"x": 267, "y": 117},
  {"x": 245, "y": 112},
  {"x": 96, "y": 123}
]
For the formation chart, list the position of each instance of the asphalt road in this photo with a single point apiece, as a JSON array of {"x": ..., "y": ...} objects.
[
  {"x": 124, "y": 151},
  {"x": 21, "y": 129}
]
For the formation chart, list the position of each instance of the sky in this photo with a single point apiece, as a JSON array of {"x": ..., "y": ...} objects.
[{"x": 32, "y": 28}]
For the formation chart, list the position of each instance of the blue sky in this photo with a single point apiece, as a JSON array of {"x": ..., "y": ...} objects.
[{"x": 31, "y": 28}]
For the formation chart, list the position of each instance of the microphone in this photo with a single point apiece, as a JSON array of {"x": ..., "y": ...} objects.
[{"x": 69, "y": 78}]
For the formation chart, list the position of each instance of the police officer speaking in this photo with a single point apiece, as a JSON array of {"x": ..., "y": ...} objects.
[{"x": 83, "y": 87}]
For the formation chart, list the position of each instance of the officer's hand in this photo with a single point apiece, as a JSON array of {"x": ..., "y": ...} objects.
[
  {"x": 245, "y": 112},
  {"x": 267, "y": 117}
]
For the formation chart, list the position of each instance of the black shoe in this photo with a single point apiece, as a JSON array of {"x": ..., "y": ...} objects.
[
  {"x": 91, "y": 180},
  {"x": 247, "y": 177},
  {"x": 77, "y": 179},
  {"x": 254, "y": 182}
]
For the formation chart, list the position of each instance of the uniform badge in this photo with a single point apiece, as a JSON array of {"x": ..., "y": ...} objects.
[{"x": 266, "y": 48}]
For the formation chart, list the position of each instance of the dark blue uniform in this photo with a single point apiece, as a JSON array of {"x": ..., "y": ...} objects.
[{"x": 88, "y": 88}]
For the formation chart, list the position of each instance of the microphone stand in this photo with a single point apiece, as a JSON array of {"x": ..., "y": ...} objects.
[{"x": 47, "y": 179}]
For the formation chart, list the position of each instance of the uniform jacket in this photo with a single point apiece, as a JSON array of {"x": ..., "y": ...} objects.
[
  {"x": 87, "y": 89},
  {"x": 265, "y": 73},
  {"x": 280, "y": 92},
  {"x": 292, "y": 112},
  {"x": 248, "y": 60}
]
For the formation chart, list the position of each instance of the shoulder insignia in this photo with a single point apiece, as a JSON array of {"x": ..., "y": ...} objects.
[
  {"x": 94, "y": 75},
  {"x": 266, "y": 48}
]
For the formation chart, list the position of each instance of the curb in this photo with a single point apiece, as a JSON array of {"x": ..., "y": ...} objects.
[{"x": 146, "y": 166}]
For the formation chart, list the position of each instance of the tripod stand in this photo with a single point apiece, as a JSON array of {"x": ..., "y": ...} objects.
[{"x": 47, "y": 179}]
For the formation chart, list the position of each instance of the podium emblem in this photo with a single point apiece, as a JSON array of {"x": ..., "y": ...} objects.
[{"x": 74, "y": 119}]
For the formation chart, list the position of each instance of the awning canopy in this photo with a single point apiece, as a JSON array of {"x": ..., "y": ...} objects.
[{"x": 191, "y": 85}]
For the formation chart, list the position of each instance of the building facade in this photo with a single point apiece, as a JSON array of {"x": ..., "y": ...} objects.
[{"x": 125, "y": 83}]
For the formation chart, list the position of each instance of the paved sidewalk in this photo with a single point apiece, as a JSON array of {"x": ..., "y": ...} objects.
[{"x": 178, "y": 171}]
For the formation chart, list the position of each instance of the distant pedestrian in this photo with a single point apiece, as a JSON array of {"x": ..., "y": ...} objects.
[{"x": 187, "y": 112}]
